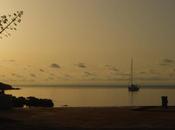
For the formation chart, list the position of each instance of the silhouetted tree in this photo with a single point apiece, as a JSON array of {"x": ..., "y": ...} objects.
[{"x": 9, "y": 22}]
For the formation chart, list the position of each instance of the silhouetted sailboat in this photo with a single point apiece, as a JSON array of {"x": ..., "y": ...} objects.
[{"x": 132, "y": 86}]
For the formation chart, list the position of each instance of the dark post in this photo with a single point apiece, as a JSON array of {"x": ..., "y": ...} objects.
[{"x": 164, "y": 102}]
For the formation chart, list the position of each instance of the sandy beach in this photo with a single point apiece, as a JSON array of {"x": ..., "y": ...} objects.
[{"x": 87, "y": 118}]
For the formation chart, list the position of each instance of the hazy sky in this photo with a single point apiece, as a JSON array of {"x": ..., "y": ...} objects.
[{"x": 89, "y": 41}]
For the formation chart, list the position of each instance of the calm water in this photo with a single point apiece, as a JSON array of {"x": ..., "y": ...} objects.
[{"x": 96, "y": 95}]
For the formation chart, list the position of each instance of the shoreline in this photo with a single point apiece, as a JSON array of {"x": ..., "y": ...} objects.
[{"x": 87, "y": 117}]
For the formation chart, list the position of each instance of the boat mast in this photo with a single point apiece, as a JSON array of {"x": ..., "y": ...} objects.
[{"x": 131, "y": 71}]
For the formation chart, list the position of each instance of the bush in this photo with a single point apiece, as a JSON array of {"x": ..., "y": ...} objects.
[
  {"x": 33, "y": 101},
  {"x": 19, "y": 102}
]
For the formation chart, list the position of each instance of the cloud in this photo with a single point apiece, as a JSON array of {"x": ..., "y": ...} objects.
[
  {"x": 124, "y": 74},
  {"x": 56, "y": 66},
  {"x": 68, "y": 76},
  {"x": 25, "y": 68},
  {"x": 142, "y": 72},
  {"x": 29, "y": 66},
  {"x": 107, "y": 65},
  {"x": 10, "y": 60},
  {"x": 81, "y": 65},
  {"x": 3, "y": 75},
  {"x": 52, "y": 74},
  {"x": 89, "y": 74},
  {"x": 172, "y": 75},
  {"x": 50, "y": 78},
  {"x": 16, "y": 75},
  {"x": 163, "y": 64},
  {"x": 167, "y": 62},
  {"x": 13, "y": 74},
  {"x": 32, "y": 75},
  {"x": 112, "y": 68},
  {"x": 41, "y": 70},
  {"x": 152, "y": 71}
]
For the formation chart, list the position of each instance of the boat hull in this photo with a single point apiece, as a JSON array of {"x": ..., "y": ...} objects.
[{"x": 133, "y": 88}]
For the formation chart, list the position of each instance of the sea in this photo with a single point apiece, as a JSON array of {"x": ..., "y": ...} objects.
[{"x": 97, "y": 95}]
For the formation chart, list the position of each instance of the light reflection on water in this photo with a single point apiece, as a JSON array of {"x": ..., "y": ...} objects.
[{"x": 97, "y": 96}]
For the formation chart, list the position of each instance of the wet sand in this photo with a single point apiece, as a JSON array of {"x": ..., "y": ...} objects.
[{"x": 64, "y": 118}]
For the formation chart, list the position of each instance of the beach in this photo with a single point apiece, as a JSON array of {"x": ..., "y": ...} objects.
[{"x": 87, "y": 118}]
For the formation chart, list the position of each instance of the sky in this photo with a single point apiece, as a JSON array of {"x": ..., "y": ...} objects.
[{"x": 89, "y": 42}]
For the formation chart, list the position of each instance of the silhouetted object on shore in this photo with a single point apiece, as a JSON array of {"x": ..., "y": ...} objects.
[
  {"x": 9, "y": 23},
  {"x": 164, "y": 102},
  {"x": 35, "y": 102}
]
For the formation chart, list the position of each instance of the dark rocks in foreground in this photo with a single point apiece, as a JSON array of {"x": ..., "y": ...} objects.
[
  {"x": 33, "y": 101},
  {"x": 9, "y": 101},
  {"x": 6, "y": 101}
]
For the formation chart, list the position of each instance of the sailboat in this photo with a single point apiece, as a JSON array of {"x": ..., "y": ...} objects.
[{"x": 132, "y": 87}]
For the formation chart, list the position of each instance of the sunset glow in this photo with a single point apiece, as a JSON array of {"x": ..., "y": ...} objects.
[{"x": 89, "y": 42}]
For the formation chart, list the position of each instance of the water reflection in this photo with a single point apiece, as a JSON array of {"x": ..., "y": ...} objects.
[{"x": 132, "y": 97}]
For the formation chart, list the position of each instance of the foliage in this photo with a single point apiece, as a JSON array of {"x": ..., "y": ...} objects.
[{"x": 9, "y": 23}]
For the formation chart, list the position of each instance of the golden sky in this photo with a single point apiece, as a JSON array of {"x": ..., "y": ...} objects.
[{"x": 89, "y": 41}]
